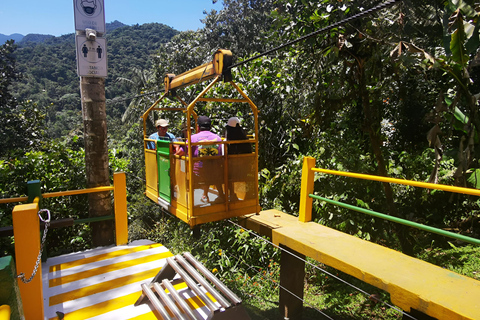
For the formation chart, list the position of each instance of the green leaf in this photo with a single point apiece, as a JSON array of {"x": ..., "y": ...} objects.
[
  {"x": 457, "y": 42},
  {"x": 474, "y": 179}
]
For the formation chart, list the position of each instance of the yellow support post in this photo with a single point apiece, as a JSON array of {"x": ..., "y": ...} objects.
[
  {"x": 120, "y": 204},
  {"x": 5, "y": 312},
  {"x": 26, "y": 231},
  {"x": 308, "y": 178}
]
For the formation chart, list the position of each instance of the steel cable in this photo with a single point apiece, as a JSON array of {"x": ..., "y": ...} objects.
[
  {"x": 329, "y": 27},
  {"x": 280, "y": 286},
  {"x": 324, "y": 271},
  {"x": 310, "y": 35}
]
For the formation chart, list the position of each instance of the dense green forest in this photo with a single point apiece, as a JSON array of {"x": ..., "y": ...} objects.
[{"x": 393, "y": 94}]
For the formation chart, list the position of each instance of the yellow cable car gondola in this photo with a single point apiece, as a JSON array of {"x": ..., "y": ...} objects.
[{"x": 174, "y": 182}]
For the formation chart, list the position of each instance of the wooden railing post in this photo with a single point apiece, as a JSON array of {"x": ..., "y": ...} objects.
[
  {"x": 26, "y": 231},
  {"x": 120, "y": 207},
  {"x": 292, "y": 280},
  {"x": 308, "y": 178}
]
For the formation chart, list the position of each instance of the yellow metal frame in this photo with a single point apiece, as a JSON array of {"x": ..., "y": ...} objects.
[{"x": 216, "y": 70}]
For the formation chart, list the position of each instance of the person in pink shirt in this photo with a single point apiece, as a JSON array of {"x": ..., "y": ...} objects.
[{"x": 207, "y": 172}]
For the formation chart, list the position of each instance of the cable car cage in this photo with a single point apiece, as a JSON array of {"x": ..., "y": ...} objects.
[{"x": 230, "y": 180}]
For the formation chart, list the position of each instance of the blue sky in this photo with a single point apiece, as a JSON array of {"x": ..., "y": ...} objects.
[{"x": 56, "y": 17}]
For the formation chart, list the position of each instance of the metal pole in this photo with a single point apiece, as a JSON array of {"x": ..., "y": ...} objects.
[{"x": 401, "y": 221}]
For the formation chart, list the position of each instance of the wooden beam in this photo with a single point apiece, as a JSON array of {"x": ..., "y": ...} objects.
[{"x": 413, "y": 284}]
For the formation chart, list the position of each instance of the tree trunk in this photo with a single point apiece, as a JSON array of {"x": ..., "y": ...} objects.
[
  {"x": 373, "y": 127},
  {"x": 96, "y": 157}
]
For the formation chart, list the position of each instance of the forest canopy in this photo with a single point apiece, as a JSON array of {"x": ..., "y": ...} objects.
[{"x": 394, "y": 93}]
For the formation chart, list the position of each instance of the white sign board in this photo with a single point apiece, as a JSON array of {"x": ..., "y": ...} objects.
[
  {"x": 91, "y": 57},
  {"x": 89, "y": 14}
]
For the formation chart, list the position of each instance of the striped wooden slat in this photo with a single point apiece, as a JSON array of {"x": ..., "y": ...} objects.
[{"x": 104, "y": 283}]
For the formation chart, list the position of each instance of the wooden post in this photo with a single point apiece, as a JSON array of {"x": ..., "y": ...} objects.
[
  {"x": 26, "y": 230},
  {"x": 120, "y": 203},
  {"x": 292, "y": 277},
  {"x": 96, "y": 156},
  {"x": 308, "y": 178}
]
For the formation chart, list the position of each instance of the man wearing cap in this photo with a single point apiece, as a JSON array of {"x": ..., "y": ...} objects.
[{"x": 161, "y": 134}]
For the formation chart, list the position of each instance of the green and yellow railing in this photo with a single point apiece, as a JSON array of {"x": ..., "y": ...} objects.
[
  {"x": 307, "y": 196},
  {"x": 26, "y": 231}
]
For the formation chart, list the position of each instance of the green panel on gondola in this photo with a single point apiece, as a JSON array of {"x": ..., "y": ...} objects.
[{"x": 163, "y": 160}]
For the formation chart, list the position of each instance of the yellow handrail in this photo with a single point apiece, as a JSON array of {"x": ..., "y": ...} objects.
[
  {"x": 10, "y": 200},
  {"x": 59, "y": 194},
  {"x": 470, "y": 191},
  {"x": 76, "y": 192}
]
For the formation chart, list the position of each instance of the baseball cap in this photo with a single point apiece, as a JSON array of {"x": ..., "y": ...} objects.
[
  {"x": 204, "y": 121},
  {"x": 161, "y": 123}
]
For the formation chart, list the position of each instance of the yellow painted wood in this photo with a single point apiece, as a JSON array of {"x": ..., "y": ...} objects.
[
  {"x": 26, "y": 231},
  {"x": 308, "y": 179},
  {"x": 102, "y": 286},
  {"x": 120, "y": 203},
  {"x": 102, "y": 307},
  {"x": 146, "y": 316},
  {"x": 5, "y": 312},
  {"x": 412, "y": 283},
  {"x": 127, "y": 300},
  {"x": 100, "y": 257},
  {"x": 104, "y": 269}
]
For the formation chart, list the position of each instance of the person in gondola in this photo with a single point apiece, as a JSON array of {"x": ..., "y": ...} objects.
[
  {"x": 161, "y": 134},
  {"x": 233, "y": 131},
  {"x": 208, "y": 172}
]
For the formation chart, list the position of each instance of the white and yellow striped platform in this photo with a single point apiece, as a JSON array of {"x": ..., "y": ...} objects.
[{"x": 104, "y": 283}]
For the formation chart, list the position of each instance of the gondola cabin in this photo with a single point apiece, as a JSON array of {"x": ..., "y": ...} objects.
[{"x": 182, "y": 176}]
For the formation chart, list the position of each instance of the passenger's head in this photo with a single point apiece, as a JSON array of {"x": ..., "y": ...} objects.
[
  {"x": 183, "y": 130},
  {"x": 233, "y": 130},
  {"x": 233, "y": 122},
  {"x": 162, "y": 127},
  {"x": 204, "y": 123}
]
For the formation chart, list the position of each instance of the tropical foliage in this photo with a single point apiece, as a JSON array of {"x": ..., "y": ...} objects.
[{"x": 393, "y": 93}]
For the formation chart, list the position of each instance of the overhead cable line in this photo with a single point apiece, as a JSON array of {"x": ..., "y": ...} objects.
[
  {"x": 134, "y": 97},
  {"x": 329, "y": 27},
  {"x": 310, "y": 35},
  {"x": 324, "y": 271}
]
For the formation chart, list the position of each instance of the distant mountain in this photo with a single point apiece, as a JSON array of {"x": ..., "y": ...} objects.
[
  {"x": 41, "y": 38},
  {"x": 114, "y": 25},
  {"x": 49, "y": 71},
  {"x": 16, "y": 36},
  {"x": 34, "y": 37}
]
